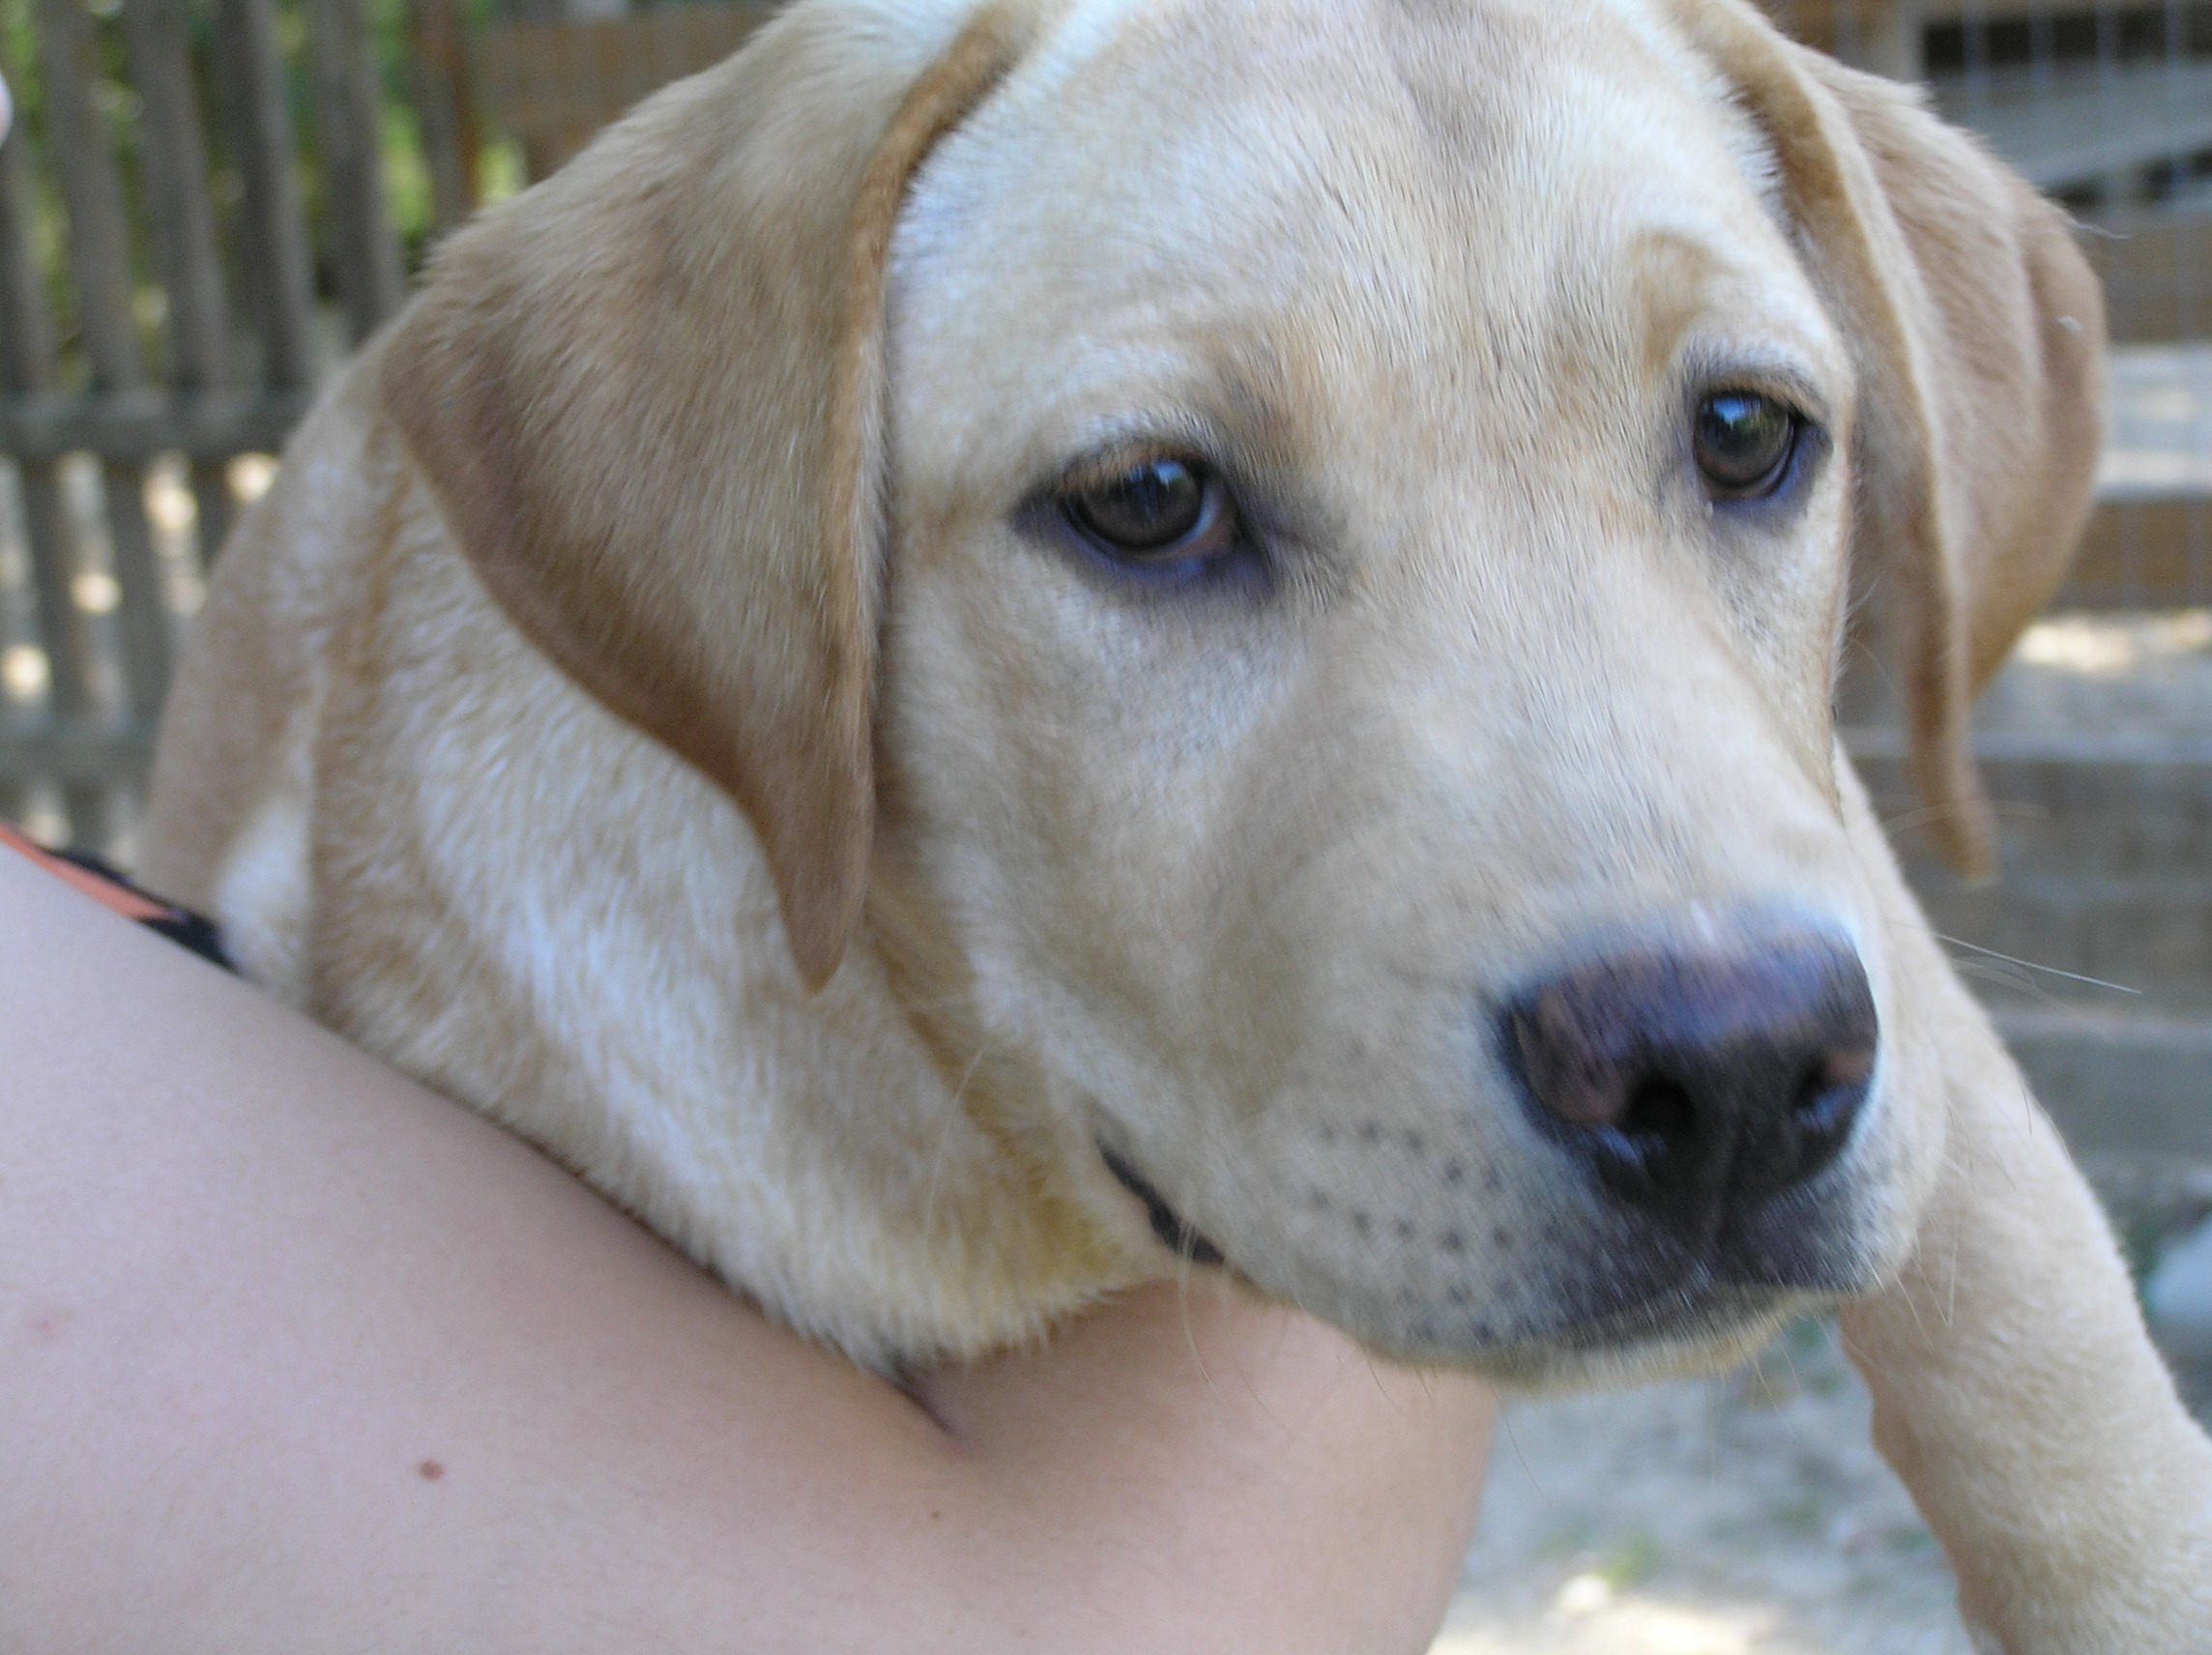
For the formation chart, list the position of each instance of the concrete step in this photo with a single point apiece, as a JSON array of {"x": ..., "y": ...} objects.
[
  {"x": 2106, "y": 870},
  {"x": 2133, "y": 1085},
  {"x": 2107, "y": 844},
  {"x": 2118, "y": 945},
  {"x": 2134, "y": 807}
]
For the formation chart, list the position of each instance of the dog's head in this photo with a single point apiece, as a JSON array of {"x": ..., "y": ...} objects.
[{"x": 1299, "y": 547}]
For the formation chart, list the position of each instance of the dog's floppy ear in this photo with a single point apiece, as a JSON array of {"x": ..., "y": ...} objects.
[
  {"x": 649, "y": 395},
  {"x": 1979, "y": 333}
]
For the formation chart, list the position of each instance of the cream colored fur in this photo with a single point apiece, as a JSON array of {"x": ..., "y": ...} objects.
[{"x": 655, "y": 705}]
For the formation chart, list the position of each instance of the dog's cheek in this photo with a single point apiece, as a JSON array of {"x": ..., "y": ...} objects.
[{"x": 1780, "y": 593}]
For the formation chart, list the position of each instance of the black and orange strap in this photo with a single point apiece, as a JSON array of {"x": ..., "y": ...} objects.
[{"x": 94, "y": 877}]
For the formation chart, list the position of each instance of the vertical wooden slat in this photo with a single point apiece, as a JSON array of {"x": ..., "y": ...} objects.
[
  {"x": 147, "y": 647},
  {"x": 604, "y": 66},
  {"x": 182, "y": 212},
  {"x": 213, "y": 504},
  {"x": 27, "y": 366},
  {"x": 554, "y": 85},
  {"x": 445, "y": 104},
  {"x": 100, "y": 260},
  {"x": 84, "y": 166},
  {"x": 273, "y": 230},
  {"x": 178, "y": 205},
  {"x": 544, "y": 150},
  {"x": 371, "y": 283}
]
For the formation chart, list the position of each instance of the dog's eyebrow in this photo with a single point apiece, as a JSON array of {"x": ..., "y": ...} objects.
[
  {"x": 1230, "y": 402},
  {"x": 1256, "y": 388},
  {"x": 1672, "y": 276},
  {"x": 1675, "y": 276},
  {"x": 1732, "y": 360}
]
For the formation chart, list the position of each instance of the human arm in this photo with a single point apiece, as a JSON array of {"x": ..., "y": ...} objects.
[{"x": 295, "y": 1356}]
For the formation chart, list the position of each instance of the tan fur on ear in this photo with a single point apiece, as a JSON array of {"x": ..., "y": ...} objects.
[
  {"x": 1979, "y": 331},
  {"x": 649, "y": 394}
]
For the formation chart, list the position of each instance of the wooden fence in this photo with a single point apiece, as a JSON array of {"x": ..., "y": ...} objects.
[
  {"x": 187, "y": 331},
  {"x": 88, "y": 663},
  {"x": 553, "y": 85}
]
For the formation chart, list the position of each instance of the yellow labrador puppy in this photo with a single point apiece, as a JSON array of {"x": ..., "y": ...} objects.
[{"x": 1009, "y": 646}]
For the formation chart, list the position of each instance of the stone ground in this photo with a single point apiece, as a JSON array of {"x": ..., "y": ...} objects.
[
  {"x": 1736, "y": 1514},
  {"x": 1749, "y": 1515}
]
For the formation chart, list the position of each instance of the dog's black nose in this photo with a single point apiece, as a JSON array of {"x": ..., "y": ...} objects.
[{"x": 1701, "y": 1081}]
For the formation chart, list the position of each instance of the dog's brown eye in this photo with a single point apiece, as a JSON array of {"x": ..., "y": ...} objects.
[
  {"x": 1743, "y": 443},
  {"x": 1159, "y": 511}
]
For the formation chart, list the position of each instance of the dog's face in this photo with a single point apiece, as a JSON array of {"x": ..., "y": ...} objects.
[
  {"x": 1389, "y": 556},
  {"x": 1371, "y": 496}
]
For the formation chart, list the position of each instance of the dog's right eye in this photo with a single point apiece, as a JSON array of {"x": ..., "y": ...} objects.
[
  {"x": 1743, "y": 443},
  {"x": 1155, "y": 514}
]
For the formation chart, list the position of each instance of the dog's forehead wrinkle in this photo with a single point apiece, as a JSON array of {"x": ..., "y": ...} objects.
[
  {"x": 1446, "y": 57},
  {"x": 1611, "y": 41}
]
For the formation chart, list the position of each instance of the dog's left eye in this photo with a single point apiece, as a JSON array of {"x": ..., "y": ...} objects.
[
  {"x": 1156, "y": 513},
  {"x": 1743, "y": 443}
]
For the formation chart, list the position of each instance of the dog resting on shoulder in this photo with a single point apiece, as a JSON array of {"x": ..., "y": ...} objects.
[{"x": 1011, "y": 646}]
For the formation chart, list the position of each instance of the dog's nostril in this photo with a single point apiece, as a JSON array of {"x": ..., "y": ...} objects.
[
  {"x": 1661, "y": 1110},
  {"x": 1833, "y": 1085},
  {"x": 1694, "y": 1079}
]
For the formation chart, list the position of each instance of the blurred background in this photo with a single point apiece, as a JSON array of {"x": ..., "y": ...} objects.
[{"x": 205, "y": 203}]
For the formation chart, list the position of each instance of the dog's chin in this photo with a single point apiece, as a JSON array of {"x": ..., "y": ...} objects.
[
  {"x": 1697, "y": 1327},
  {"x": 1716, "y": 1331},
  {"x": 1723, "y": 1330}
]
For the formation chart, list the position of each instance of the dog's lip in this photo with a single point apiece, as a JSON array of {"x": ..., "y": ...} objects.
[{"x": 1175, "y": 1232}]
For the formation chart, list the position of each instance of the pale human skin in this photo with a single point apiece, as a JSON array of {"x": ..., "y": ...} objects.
[{"x": 295, "y": 1356}]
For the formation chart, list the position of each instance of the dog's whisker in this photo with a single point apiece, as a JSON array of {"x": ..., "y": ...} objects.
[
  {"x": 952, "y": 1118},
  {"x": 1505, "y": 1424},
  {"x": 1191, "y": 1333},
  {"x": 1375, "y": 1378},
  {"x": 961, "y": 1000},
  {"x": 2030, "y": 964},
  {"x": 1909, "y": 818},
  {"x": 1980, "y": 972},
  {"x": 1983, "y": 971},
  {"x": 2003, "y": 809}
]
